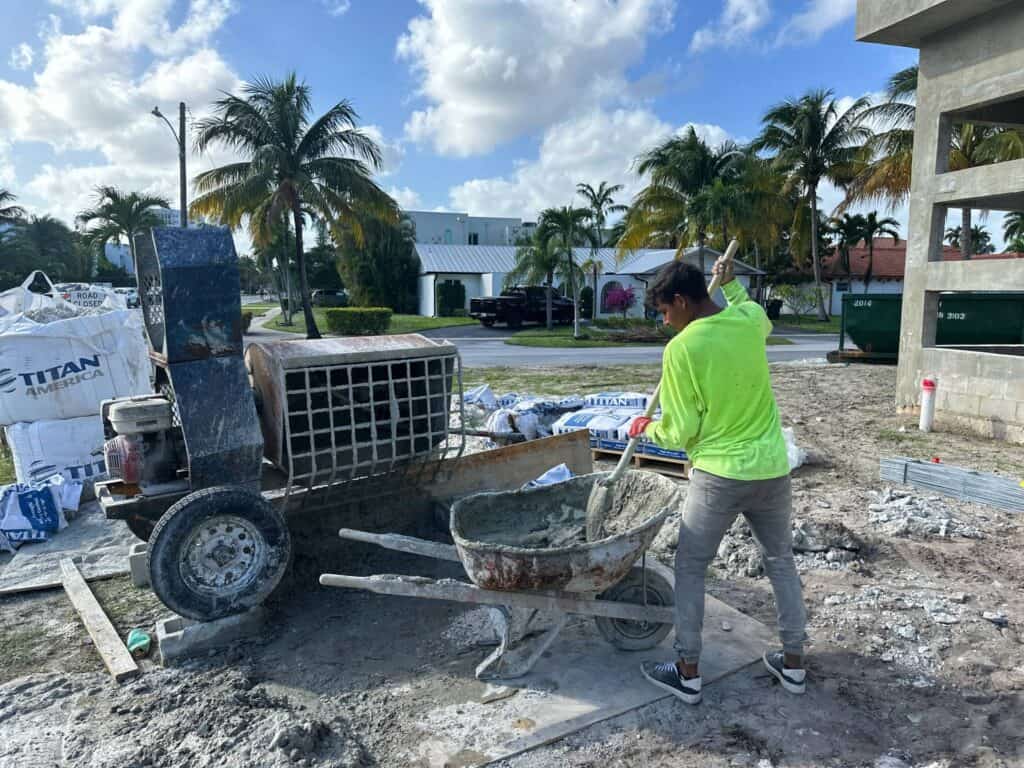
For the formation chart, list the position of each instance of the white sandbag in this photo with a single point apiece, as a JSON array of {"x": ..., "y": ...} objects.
[
  {"x": 14, "y": 301},
  {"x": 528, "y": 424},
  {"x": 553, "y": 476},
  {"x": 501, "y": 422},
  {"x": 796, "y": 455},
  {"x": 72, "y": 447},
  {"x": 34, "y": 512},
  {"x": 65, "y": 369}
]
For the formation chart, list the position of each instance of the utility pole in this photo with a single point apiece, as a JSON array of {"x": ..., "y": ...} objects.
[{"x": 179, "y": 138}]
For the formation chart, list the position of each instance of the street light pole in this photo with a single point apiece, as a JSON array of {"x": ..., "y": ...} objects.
[{"x": 179, "y": 138}]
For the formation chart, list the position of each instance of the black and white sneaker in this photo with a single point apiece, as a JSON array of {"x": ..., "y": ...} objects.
[
  {"x": 793, "y": 680},
  {"x": 667, "y": 677}
]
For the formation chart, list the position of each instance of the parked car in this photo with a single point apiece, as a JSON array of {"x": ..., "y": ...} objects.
[
  {"x": 131, "y": 296},
  {"x": 323, "y": 297},
  {"x": 516, "y": 306}
]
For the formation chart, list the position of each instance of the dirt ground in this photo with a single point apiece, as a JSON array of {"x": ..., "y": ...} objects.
[{"x": 905, "y": 670}]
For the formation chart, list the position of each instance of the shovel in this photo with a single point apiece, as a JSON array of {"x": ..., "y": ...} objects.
[{"x": 601, "y": 495}]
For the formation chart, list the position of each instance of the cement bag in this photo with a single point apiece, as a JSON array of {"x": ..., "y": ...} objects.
[
  {"x": 34, "y": 512},
  {"x": 66, "y": 368},
  {"x": 617, "y": 400},
  {"x": 17, "y": 300},
  {"x": 500, "y": 422},
  {"x": 796, "y": 455},
  {"x": 482, "y": 396},
  {"x": 72, "y": 447}
]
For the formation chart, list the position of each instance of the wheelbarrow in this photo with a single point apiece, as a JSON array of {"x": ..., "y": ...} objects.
[{"x": 527, "y": 556}]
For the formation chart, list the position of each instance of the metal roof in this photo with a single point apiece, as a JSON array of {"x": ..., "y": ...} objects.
[{"x": 483, "y": 259}]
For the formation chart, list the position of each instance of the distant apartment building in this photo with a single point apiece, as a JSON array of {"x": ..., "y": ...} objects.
[{"x": 446, "y": 228}]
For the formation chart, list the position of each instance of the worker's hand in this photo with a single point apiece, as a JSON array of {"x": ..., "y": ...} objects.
[
  {"x": 638, "y": 425},
  {"x": 723, "y": 267}
]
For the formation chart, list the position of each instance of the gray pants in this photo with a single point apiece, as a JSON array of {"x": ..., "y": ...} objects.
[{"x": 711, "y": 506}]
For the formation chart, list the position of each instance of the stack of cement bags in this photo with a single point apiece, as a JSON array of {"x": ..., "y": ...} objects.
[
  {"x": 58, "y": 363},
  {"x": 608, "y": 416}
]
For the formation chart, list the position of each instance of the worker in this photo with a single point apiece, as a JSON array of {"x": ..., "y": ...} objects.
[{"x": 717, "y": 405}]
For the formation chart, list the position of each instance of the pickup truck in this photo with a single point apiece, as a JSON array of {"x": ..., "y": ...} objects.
[{"x": 516, "y": 306}]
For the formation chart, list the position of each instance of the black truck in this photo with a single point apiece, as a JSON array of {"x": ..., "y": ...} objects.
[{"x": 516, "y": 306}]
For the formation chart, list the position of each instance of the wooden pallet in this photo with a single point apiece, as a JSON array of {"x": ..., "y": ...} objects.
[{"x": 659, "y": 464}]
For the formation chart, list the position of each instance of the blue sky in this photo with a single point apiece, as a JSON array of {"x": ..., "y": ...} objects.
[{"x": 493, "y": 106}]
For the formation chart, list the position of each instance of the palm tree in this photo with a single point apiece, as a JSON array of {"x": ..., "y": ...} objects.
[
  {"x": 291, "y": 169},
  {"x": 849, "y": 230},
  {"x": 886, "y": 174},
  {"x": 813, "y": 141},
  {"x": 9, "y": 213},
  {"x": 119, "y": 215},
  {"x": 876, "y": 227},
  {"x": 682, "y": 200},
  {"x": 564, "y": 229},
  {"x": 980, "y": 240},
  {"x": 601, "y": 202},
  {"x": 537, "y": 261},
  {"x": 1013, "y": 230},
  {"x": 47, "y": 243}
]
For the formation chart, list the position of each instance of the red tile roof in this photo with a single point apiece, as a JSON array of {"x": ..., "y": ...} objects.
[{"x": 890, "y": 258}]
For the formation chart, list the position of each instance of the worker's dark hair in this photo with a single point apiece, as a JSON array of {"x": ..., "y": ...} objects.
[{"x": 677, "y": 278}]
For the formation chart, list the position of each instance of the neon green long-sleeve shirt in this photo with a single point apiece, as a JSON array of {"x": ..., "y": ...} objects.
[{"x": 716, "y": 394}]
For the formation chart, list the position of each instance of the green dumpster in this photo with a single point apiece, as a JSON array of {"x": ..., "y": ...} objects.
[
  {"x": 872, "y": 321},
  {"x": 980, "y": 318}
]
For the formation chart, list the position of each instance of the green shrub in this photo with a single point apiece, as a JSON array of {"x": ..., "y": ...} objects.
[
  {"x": 625, "y": 322},
  {"x": 246, "y": 321},
  {"x": 587, "y": 301},
  {"x": 357, "y": 321},
  {"x": 451, "y": 297}
]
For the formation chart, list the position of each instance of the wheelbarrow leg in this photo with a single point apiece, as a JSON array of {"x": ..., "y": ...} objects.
[{"x": 517, "y": 651}]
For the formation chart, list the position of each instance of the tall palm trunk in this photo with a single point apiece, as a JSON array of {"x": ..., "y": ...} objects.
[
  {"x": 312, "y": 332},
  {"x": 966, "y": 246},
  {"x": 700, "y": 250},
  {"x": 822, "y": 315},
  {"x": 551, "y": 279},
  {"x": 593, "y": 302},
  {"x": 870, "y": 265}
]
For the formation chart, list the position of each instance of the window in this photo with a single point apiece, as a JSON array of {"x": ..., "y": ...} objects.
[{"x": 474, "y": 238}]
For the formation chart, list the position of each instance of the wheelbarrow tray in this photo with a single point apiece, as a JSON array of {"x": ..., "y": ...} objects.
[{"x": 500, "y": 537}]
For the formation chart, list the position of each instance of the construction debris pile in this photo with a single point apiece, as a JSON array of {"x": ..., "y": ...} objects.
[{"x": 908, "y": 515}]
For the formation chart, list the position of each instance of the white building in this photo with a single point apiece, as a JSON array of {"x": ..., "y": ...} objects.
[
  {"x": 482, "y": 269},
  {"x": 444, "y": 228}
]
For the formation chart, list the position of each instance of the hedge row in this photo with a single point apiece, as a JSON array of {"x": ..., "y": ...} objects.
[{"x": 358, "y": 321}]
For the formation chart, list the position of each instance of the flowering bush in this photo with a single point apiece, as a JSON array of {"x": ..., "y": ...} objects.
[{"x": 621, "y": 300}]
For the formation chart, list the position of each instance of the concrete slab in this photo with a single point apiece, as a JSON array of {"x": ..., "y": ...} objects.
[
  {"x": 138, "y": 565},
  {"x": 180, "y": 639},
  {"x": 580, "y": 681}
]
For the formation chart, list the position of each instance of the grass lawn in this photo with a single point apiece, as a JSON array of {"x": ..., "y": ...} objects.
[
  {"x": 561, "y": 336},
  {"x": 6, "y": 467},
  {"x": 258, "y": 310},
  {"x": 399, "y": 323},
  {"x": 565, "y": 381},
  {"x": 809, "y": 323}
]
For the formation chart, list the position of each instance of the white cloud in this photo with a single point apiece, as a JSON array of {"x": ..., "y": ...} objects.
[
  {"x": 597, "y": 146},
  {"x": 392, "y": 152},
  {"x": 815, "y": 20},
  {"x": 337, "y": 7},
  {"x": 21, "y": 56},
  {"x": 406, "y": 197},
  {"x": 739, "y": 20},
  {"x": 492, "y": 70}
]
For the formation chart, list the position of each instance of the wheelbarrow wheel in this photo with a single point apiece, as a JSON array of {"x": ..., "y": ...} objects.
[
  {"x": 217, "y": 552},
  {"x": 636, "y": 635}
]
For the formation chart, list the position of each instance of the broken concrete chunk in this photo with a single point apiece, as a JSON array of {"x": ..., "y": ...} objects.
[{"x": 996, "y": 617}]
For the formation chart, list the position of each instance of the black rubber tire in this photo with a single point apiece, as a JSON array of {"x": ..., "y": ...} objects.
[
  {"x": 487, "y": 323},
  {"x": 168, "y": 562},
  {"x": 635, "y": 635}
]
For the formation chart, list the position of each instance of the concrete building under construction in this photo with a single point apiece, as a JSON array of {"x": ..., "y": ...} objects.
[{"x": 971, "y": 71}]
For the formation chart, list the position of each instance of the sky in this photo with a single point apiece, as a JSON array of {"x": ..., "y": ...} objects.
[{"x": 491, "y": 107}]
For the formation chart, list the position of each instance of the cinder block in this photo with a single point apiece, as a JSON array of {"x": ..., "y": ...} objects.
[
  {"x": 138, "y": 565},
  {"x": 179, "y": 638},
  {"x": 968, "y": 405}
]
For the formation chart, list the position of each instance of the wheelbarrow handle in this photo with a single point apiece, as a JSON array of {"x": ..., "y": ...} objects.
[{"x": 410, "y": 544}]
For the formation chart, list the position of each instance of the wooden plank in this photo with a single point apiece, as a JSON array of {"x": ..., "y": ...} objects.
[
  {"x": 41, "y": 586},
  {"x": 664, "y": 465},
  {"x": 506, "y": 469},
  {"x": 113, "y": 652}
]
